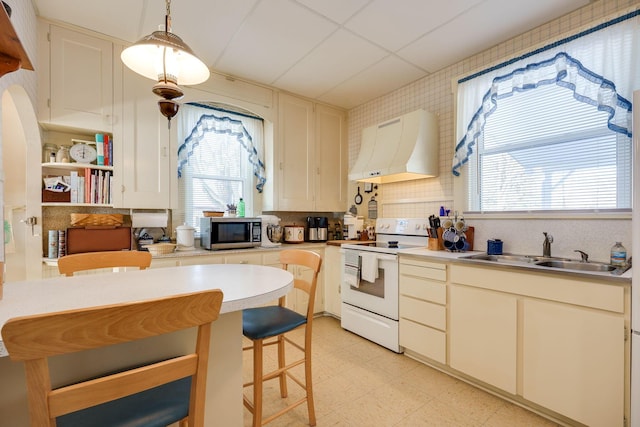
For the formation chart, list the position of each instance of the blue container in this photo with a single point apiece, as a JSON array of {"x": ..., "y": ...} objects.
[{"x": 494, "y": 247}]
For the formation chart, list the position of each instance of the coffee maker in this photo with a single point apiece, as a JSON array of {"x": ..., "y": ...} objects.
[
  {"x": 323, "y": 228},
  {"x": 312, "y": 229},
  {"x": 317, "y": 228}
]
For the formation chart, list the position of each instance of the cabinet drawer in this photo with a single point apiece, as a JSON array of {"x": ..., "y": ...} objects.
[
  {"x": 272, "y": 258},
  {"x": 423, "y": 312},
  {"x": 423, "y": 340},
  {"x": 423, "y": 289},
  {"x": 424, "y": 272},
  {"x": 255, "y": 259}
]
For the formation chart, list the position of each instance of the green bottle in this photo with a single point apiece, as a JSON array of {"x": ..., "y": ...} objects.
[{"x": 241, "y": 208}]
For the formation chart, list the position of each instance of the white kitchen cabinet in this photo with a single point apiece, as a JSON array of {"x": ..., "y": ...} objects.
[
  {"x": 423, "y": 312},
  {"x": 332, "y": 279},
  {"x": 331, "y": 162},
  {"x": 75, "y": 79},
  {"x": 483, "y": 335},
  {"x": 309, "y": 158},
  {"x": 557, "y": 342},
  {"x": 573, "y": 361},
  {"x": 144, "y": 149}
]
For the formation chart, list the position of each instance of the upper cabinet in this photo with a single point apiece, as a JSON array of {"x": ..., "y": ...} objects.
[
  {"x": 309, "y": 158},
  {"x": 146, "y": 152},
  {"x": 75, "y": 79}
]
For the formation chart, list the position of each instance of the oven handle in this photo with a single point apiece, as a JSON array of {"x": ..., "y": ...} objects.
[{"x": 382, "y": 257}]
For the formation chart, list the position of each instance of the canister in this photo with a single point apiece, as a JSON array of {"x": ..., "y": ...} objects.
[
  {"x": 494, "y": 247},
  {"x": 185, "y": 236}
]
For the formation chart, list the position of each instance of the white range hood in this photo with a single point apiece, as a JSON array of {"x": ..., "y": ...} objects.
[{"x": 400, "y": 149}]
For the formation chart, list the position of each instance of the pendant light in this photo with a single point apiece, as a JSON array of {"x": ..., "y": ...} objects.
[{"x": 164, "y": 57}]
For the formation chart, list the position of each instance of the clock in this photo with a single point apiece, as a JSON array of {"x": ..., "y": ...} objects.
[{"x": 83, "y": 153}]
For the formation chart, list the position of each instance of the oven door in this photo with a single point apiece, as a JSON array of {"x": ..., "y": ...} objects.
[{"x": 379, "y": 295}]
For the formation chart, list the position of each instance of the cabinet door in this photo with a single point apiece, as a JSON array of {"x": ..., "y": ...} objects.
[
  {"x": 573, "y": 361},
  {"x": 482, "y": 335},
  {"x": 331, "y": 160},
  {"x": 295, "y": 154},
  {"x": 332, "y": 265},
  {"x": 81, "y": 81},
  {"x": 143, "y": 148}
]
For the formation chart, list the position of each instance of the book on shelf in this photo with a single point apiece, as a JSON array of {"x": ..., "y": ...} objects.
[{"x": 100, "y": 148}]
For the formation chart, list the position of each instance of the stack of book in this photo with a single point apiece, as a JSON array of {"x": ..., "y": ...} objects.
[{"x": 93, "y": 186}]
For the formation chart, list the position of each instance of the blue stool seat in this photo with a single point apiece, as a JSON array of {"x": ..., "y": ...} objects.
[
  {"x": 156, "y": 407},
  {"x": 264, "y": 322}
]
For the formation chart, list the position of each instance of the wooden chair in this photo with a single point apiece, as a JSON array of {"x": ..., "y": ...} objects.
[
  {"x": 70, "y": 264},
  {"x": 262, "y": 323},
  {"x": 157, "y": 394}
]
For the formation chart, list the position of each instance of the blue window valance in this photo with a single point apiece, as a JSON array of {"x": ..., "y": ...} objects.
[{"x": 222, "y": 125}]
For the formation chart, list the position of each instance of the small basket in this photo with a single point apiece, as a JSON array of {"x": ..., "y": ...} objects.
[
  {"x": 160, "y": 248},
  {"x": 84, "y": 220},
  {"x": 213, "y": 213}
]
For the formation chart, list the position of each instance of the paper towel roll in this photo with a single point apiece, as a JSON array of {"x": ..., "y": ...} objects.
[{"x": 149, "y": 219}]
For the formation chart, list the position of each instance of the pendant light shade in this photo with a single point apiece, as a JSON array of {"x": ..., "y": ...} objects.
[
  {"x": 164, "y": 57},
  {"x": 148, "y": 55}
]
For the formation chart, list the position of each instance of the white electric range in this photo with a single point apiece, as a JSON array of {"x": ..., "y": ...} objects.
[{"x": 370, "y": 291}]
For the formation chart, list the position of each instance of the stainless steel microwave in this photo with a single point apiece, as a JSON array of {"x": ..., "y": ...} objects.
[{"x": 230, "y": 233}]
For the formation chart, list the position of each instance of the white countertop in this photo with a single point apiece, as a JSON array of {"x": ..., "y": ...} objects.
[{"x": 243, "y": 285}]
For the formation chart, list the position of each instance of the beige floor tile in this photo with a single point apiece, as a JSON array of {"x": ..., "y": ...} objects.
[{"x": 358, "y": 383}]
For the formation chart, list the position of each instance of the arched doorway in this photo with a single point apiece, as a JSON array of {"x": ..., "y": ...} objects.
[{"x": 21, "y": 154}]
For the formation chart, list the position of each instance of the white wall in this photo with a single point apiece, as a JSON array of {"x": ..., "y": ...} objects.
[
  {"x": 422, "y": 198},
  {"x": 23, "y": 19}
]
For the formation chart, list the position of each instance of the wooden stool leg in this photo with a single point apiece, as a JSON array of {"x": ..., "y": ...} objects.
[
  {"x": 257, "y": 383},
  {"x": 282, "y": 364},
  {"x": 308, "y": 379}
]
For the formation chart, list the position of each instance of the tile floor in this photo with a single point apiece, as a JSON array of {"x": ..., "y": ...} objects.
[{"x": 358, "y": 383}]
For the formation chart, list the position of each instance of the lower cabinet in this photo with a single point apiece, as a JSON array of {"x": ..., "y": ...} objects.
[
  {"x": 423, "y": 312},
  {"x": 332, "y": 280},
  {"x": 573, "y": 361},
  {"x": 556, "y": 342},
  {"x": 483, "y": 335}
]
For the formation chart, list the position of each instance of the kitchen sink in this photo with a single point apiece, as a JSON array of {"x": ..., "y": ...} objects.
[
  {"x": 542, "y": 261},
  {"x": 576, "y": 265},
  {"x": 512, "y": 258}
]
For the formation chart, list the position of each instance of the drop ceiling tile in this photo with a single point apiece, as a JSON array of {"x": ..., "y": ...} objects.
[
  {"x": 336, "y": 10},
  {"x": 381, "y": 78},
  {"x": 338, "y": 58},
  {"x": 445, "y": 45},
  {"x": 273, "y": 38},
  {"x": 102, "y": 17},
  {"x": 393, "y": 24},
  {"x": 210, "y": 26}
]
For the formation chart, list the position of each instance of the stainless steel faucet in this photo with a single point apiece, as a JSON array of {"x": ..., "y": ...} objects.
[
  {"x": 583, "y": 255},
  {"x": 546, "y": 245}
]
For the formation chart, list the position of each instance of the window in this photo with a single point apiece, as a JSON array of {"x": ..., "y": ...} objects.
[
  {"x": 544, "y": 151},
  {"x": 218, "y": 161},
  {"x": 551, "y": 130}
]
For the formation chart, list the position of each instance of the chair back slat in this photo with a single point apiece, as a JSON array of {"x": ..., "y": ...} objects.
[
  {"x": 45, "y": 335},
  {"x": 70, "y": 264}
]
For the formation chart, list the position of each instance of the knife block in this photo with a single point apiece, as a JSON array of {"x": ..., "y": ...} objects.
[{"x": 435, "y": 244}]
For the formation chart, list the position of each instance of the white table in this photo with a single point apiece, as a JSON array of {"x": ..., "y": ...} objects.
[{"x": 244, "y": 286}]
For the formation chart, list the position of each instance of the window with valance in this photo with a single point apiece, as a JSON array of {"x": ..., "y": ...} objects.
[
  {"x": 551, "y": 130},
  {"x": 219, "y": 160}
]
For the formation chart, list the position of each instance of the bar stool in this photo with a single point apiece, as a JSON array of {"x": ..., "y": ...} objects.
[{"x": 274, "y": 322}]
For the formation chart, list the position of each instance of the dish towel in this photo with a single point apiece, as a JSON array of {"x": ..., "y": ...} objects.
[
  {"x": 369, "y": 267},
  {"x": 351, "y": 276}
]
